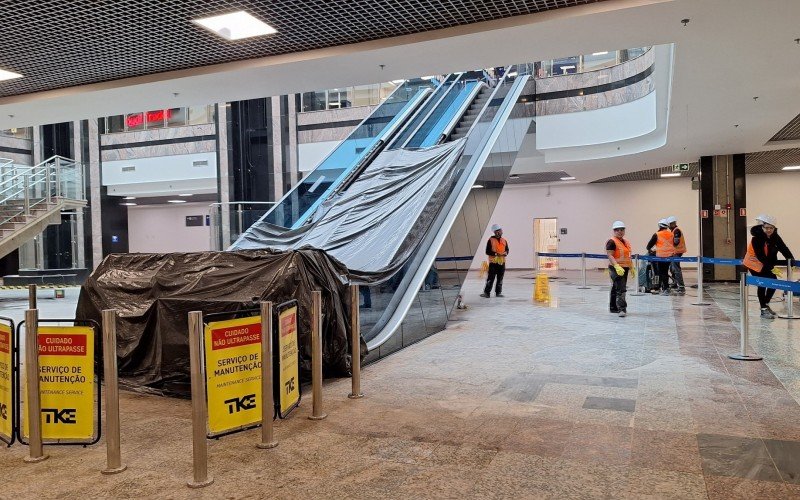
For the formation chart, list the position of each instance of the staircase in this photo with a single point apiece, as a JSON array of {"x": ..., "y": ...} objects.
[
  {"x": 32, "y": 198},
  {"x": 472, "y": 113}
]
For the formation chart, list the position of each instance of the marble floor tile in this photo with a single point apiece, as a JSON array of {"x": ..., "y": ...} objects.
[{"x": 617, "y": 404}]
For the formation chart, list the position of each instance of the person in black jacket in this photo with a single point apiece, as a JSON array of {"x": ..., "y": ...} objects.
[
  {"x": 497, "y": 250},
  {"x": 761, "y": 257}
]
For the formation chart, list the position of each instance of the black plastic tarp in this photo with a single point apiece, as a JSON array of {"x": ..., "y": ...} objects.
[
  {"x": 378, "y": 222},
  {"x": 153, "y": 294}
]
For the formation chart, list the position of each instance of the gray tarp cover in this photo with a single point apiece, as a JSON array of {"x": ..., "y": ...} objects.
[
  {"x": 377, "y": 223},
  {"x": 154, "y": 292}
]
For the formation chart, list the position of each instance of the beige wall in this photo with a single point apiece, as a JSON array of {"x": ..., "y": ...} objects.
[{"x": 162, "y": 228}]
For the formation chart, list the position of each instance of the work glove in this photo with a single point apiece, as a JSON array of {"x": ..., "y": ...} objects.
[
  {"x": 619, "y": 269},
  {"x": 777, "y": 272},
  {"x": 633, "y": 272}
]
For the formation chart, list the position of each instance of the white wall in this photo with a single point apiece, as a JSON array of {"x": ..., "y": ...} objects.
[
  {"x": 776, "y": 194},
  {"x": 311, "y": 154},
  {"x": 161, "y": 175},
  {"x": 587, "y": 211},
  {"x": 162, "y": 228}
]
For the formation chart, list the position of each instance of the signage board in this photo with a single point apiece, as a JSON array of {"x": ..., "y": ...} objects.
[
  {"x": 704, "y": 214},
  {"x": 66, "y": 384},
  {"x": 288, "y": 384},
  {"x": 233, "y": 374},
  {"x": 680, "y": 167},
  {"x": 742, "y": 212},
  {"x": 7, "y": 382}
]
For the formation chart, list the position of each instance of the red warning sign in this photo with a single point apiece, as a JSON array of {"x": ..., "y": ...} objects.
[
  {"x": 62, "y": 344},
  {"x": 704, "y": 214},
  {"x": 742, "y": 212}
]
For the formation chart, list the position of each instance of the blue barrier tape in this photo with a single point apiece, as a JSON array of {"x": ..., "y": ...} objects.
[
  {"x": 596, "y": 256},
  {"x": 544, "y": 254},
  {"x": 651, "y": 258},
  {"x": 789, "y": 286},
  {"x": 724, "y": 262},
  {"x": 454, "y": 259}
]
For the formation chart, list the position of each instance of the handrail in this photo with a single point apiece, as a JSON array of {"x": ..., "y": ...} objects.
[
  {"x": 462, "y": 110},
  {"x": 432, "y": 109}
]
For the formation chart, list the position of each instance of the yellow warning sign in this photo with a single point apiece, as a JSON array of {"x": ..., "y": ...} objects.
[
  {"x": 66, "y": 383},
  {"x": 541, "y": 290},
  {"x": 233, "y": 373},
  {"x": 6, "y": 383},
  {"x": 288, "y": 363}
]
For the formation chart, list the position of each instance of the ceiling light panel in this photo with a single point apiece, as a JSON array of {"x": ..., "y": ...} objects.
[
  {"x": 126, "y": 38},
  {"x": 236, "y": 26},
  {"x": 8, "y": 75}
]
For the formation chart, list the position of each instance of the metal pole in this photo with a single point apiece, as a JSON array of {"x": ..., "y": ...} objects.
[
  {"x": 268, "y": 398},
  {"x": 744, "y": 323},
  {"x": 700, "y": 283},
  {"x": 355, "y": 344},
  {"x": 34, "y": 410},
  {"x": 114, "y": 463},
  {"x": 316, "y": 356},
  {"x": 583, "y": 272},
  {"x": 27, "y": 197},
  {"x": 789, "y": 294},
  {"x": 32, "y": 296},
  {"x": 199, "y": 417},
  {"x": 637, "y": 293}
]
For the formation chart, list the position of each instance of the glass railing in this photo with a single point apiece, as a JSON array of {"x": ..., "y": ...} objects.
[
  {"x": 585, "y": 63},
  {"x": 229, "y": 220},
  {"x": 430, "y": 133},
  {"x": 300, "y": 203},
  {"x": 424, "y": 111}
]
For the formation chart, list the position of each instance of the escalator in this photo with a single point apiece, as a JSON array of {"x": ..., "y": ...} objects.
[{"x": 392, "y": 195}]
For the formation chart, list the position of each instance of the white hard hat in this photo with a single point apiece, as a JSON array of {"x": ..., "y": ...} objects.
[
  {"x": 767, "y": 219},
  {"x": 663, "y": 222},
  {"x": 496, "y": 227},
  {"x": 618, "y": 224},
  {"x": 671, "y": 219}
]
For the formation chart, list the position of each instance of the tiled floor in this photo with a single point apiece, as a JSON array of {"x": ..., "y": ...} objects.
[{"x": 514, "y": 400}]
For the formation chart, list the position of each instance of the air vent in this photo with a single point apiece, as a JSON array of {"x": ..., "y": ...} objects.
[
  {"x": 200, "y": 163},
  {"x": 129, "y": 169}
]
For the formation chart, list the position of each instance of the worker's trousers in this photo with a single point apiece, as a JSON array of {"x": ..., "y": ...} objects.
[{"x": 496, "y": 271}]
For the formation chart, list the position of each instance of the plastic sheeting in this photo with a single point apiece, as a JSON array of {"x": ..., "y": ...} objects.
[
  {"x": 378, "y": 222},
  {"x": 153, "y": 294}
]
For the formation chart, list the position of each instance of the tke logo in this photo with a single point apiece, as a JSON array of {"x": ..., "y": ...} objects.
[
  {"x": 289, "y": 385},
  {"x": 247, "y": 402},
  {"x": 3, "y": 411},
  {"x": 56, "y": 416}
]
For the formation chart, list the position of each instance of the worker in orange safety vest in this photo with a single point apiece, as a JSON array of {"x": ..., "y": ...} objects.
[
  {"x": 497, "y": 250},
  {"x": 664, "y": 245},
  {"x": 680, "y": 248},
  {"x": 762, "y": 256},
  {"x": 618, "y": 250}
]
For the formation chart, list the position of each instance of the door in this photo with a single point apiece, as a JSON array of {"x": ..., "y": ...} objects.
[{"x": 545, "y": 240}]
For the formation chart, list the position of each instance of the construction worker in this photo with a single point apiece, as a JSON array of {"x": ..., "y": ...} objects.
[
  {"x": 761, "y": 257},
  {"x": 680, "y": 248},
  {"x": 497, "y": 250},
  {"x": 618, "y": 250},
  {"x": 663, "y": 241}
]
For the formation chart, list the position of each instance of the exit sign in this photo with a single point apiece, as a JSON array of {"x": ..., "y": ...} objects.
[{"x": 680, "y": 167}]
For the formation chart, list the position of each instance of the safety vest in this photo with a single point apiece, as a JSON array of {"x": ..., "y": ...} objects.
[
  {"x": 622, "y": 254},
  {"x": 750, "y": 260},
  {"x": 498, "y": 246},
  {"x": 681, "y": 247},
  {"x": 664, "y": 245}
]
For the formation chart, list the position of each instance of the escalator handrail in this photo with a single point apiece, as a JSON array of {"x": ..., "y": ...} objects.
[
  {"x": 431, "y": 110},
  {"x": 462, "y": 110},
  {"x": 433, "y": 240}
]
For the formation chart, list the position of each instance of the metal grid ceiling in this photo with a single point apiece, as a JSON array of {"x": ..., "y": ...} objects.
[
  {"x": 791, "y": 132},
  {"x": 537, "y": 178},
  {"x": 64, "y": 43},
  {"x": 648, "y": 175}
]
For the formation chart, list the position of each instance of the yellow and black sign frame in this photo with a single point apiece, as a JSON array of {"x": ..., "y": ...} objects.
[
  {"x": 14, "y": 381},
  {"x": 277, "y": 366},
  {"x": 98, "y": 409},
  {"x": 218, "y": 317}
]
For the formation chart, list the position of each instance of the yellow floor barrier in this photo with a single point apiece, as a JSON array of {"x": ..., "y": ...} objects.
[
  {"x": 541, "y": 289},
  {"x": 484, "y": 269}
]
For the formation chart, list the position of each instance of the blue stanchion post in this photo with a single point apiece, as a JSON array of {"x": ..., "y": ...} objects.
[
  {"x": 789, "y": 295},
  {"x": 744, "y": 324}
]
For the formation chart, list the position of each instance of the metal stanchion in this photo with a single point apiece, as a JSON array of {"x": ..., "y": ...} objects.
[
  {"x": 700, "y": 301},
  {"x": 316, "y": 356},
  {"x": 267, "y": 396},
  {"x": 789, "y": 314},
  {"x": 34, "y": 408},
  {"x": 114, "y": 463},
  {"x": 32, "y": 297},
  {"x": 355, "y": 344},
  {"x": 745, "y": 323},
  {"x": 637, "y": 293},
  {"x": 199, "y": 417},
  {"x": 583, "y": 272}
]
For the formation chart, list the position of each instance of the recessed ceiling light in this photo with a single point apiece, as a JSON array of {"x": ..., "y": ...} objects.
[
  {"x": 477, "y": 186},
  {"x": 795, "y": 167},
  {"x": 176, "y": 201},
  {"x": 8, "y": 75},
  {"x": 185, "y": 194},
  {"x": 128, "y": 204},
  {"x": 236, "y": 25},
  {"x": 514, "y": 176},
  {"x": 676, "y": 174},
  {"x": 129, "y": 198},
  {"x": 568, "y": 178},
  {"x": 600, "y": 53}
]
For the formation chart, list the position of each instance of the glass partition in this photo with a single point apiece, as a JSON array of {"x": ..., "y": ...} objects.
[{"x": 585, "y": 63}]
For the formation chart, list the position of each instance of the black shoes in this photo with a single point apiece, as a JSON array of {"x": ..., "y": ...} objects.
[
  {"x": 485, "y": 295},
  {"x": 499, "y": 295}
]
